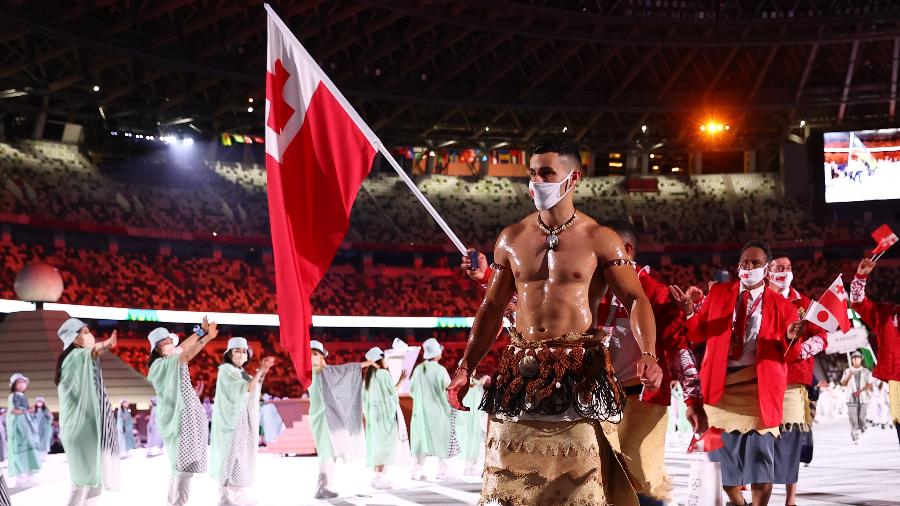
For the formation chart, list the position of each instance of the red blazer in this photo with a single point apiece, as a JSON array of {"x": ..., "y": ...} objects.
[
  {"x": 883, "y": 320},
  {"x": 712, "y": 324}
]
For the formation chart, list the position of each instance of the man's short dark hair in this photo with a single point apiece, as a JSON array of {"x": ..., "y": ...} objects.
[
  {"x": 561, "y": 147},
  {"x": 761, "y": 245},
  {"x": 625, "y": 230},
  {"x": 780, "y": 254}
]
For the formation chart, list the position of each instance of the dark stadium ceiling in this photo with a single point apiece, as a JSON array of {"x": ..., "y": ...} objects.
[{"x": 470, "y": 71}]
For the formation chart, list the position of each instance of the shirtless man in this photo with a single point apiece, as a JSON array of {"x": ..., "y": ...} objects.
[{"x": 555, "y": 382}]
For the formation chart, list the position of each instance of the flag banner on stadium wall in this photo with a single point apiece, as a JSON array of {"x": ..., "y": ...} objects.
[{"x": 318, "y": 152}]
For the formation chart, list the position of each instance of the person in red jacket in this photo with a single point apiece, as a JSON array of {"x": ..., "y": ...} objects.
[
  {"x": 796, "y": 422},
  {"x": 642, "y": 432},
  {"x": 882, "y": 319},
  {"x": 747, "y": 329}
]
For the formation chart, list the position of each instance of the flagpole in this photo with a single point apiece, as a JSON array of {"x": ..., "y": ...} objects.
[
  {"x": 364, "y": 128},
  {"x": 424, "y": 201}
]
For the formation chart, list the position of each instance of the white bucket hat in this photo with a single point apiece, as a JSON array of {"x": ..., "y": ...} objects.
[
  {"x": 374, "y": 354},
  {"x": 16, "y": 377},
  {"x": 239, "y": 342},
  {"x": 398, "y": 344},
  {"x": 160, "y": 333},
  {"x": 431, "y": 348},
  {"x": 317, "y": 345},
  {"x": 69, "y": 330}
]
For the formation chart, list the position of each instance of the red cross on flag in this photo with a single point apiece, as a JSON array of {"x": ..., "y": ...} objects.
[
  {"x": 830, "y": 311},
  {"x": 318, "y": 152},
  {"x": 884, "y": 237}
]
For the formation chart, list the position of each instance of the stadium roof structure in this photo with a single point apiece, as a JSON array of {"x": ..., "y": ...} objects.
[{"x": 477, "y": 72}]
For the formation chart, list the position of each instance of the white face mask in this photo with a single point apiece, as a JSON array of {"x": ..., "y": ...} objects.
[
  {"x": 238, "y": 359},
  {"x": 547, "y": 195},
  {"x": 752, "y": 276},
  {"x": 781, "y": 279}
]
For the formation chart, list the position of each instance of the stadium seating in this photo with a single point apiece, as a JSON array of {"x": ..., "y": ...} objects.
[
  {"x": 53, "y": 181},
  {"x": 206, "y": 284}
]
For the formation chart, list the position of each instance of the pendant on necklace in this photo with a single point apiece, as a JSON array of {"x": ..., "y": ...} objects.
[{"x": 552, "y": 241}]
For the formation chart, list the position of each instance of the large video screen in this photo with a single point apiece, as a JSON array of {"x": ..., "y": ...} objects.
[{"x": 863, "y": 165}]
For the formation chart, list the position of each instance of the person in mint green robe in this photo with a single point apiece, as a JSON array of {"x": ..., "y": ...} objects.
[
  {"x": 43, "y": 422},
  {"x": 335, "y": 414},
  {"x": 154, "y": 438},
  {"x": 270, "y": 421},
  {"x": 180, "y": 416},
  {"x": 430, "y": 428},
  {"x": 386, "y": 439},
  {"x": 86, "y": 422},
  {"x": 125, "y": 429},
  {"x": 235, "y": 423},
  {"x": 24, "y": 455},
  {"x": 471, "y": 427}
]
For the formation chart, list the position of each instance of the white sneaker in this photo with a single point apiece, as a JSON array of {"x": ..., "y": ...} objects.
[
  {"x": 443, "y": 472},
  {"x": 418, "y": 473},
  {"x": 379, "y": 482}
]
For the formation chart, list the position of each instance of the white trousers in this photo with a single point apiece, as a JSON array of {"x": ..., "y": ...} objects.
[
  {"x": 234, "y": 496},
  {"x": 84, "y": 496},
  {"x": 180, "y": 489},
  {"x": 326, "y": 469}
]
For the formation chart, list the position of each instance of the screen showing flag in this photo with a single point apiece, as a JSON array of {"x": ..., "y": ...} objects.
[{"x": 862, "y": 165}]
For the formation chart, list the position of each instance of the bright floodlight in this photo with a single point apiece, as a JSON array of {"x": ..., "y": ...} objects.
[
  {"x": 96, "y": 88},
  {"x": 168, "y": 139},
  {"x": 187, "y": 141},
  {"x": 250, "y": 109}
]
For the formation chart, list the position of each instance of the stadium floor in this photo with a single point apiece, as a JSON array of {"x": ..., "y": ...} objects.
[{"x": 841, "y": 474}]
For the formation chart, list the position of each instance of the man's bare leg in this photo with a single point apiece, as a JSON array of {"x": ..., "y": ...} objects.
[
  {"x": 761, "y": 493},
  {"x": 790, "y": 492},
  {"x": 734, "y": 495}
]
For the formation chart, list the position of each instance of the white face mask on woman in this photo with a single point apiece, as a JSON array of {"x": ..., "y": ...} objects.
[
  {"x": 750, "y": 277},
  {"x": 547, "y": 195},
  {"x": 781, "y": 279}
]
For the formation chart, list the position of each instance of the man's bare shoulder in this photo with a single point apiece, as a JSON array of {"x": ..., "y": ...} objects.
[
  {"x": 595, "y": 229},
  {"x": 606, "y": 241},
  {"x": 512, "y": 231}
]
